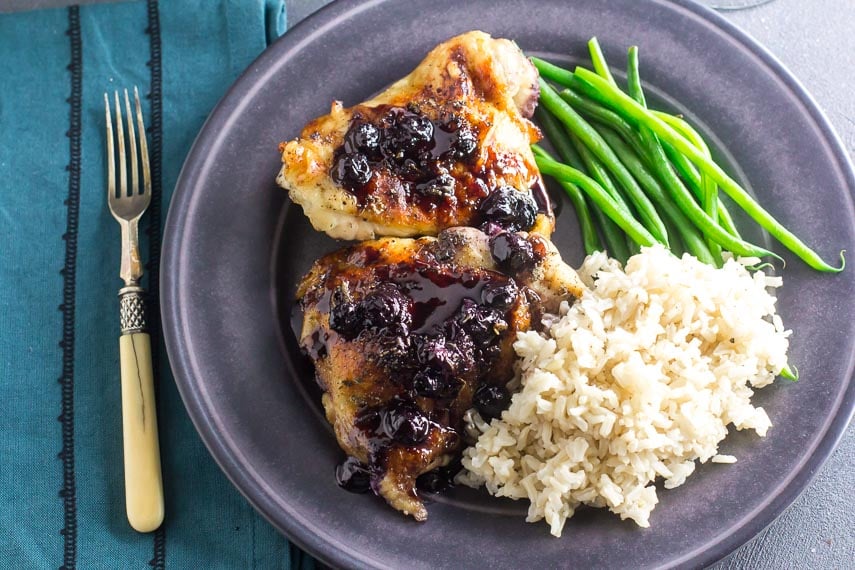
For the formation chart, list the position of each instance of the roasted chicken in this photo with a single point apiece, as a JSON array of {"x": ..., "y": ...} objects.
[
  {"x": 424, "y": 154},
  {"x": 408, "y": 334}
]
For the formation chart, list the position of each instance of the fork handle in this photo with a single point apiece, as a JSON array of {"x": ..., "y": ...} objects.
[{"x": 143, "y": 480}]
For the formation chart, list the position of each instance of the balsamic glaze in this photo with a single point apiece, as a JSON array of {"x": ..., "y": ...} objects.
[
  {"x": 542, "y": 198},
  {"x": 353, "y": 476},
  {"x": 440, "y": 479},
  {"x": 418, "y": 151},
  {"x": 445, "y": 324},
  {"x": 392, "y": 153},
  {"x": 438, "y": 295}
]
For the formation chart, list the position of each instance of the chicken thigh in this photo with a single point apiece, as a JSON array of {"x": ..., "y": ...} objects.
[
  {"x": 408, "y": 334},
  {"x": 426, "y": 153}
]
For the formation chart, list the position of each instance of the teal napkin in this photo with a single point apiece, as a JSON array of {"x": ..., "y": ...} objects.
[{"x": 61, "y": 479}]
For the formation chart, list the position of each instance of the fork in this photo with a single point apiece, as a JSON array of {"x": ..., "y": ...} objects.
[{"x": 143, "y": 480}]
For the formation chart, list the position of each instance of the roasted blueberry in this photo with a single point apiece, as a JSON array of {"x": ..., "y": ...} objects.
[
  {"x": 462, "y": 343},
  {"x": 385, "y": 307},
  {"x": 407, "y": 133},
  {"x": 409, "y": 169},
  {"x": 464, "y": 144},
  {"x": 491, "y": 401},
  {"x": 352, "y": 169},
  {"x": 353, "y": 476},
  {"x": 490, "y": 353},
  {"x": 368, "y": 419},
  {"x": 444, "y": 357},
  {"x": 510, "y": 208},
  {"x": 432, "y": 383},
  {"x": 416, "y": 131},
  {"x": 456, "y": 334},
  {"x": 501, "y": 296},
  {"x": 428, "y": 382},
  {"x": 403, "y": 421},
  {"x": 364, "y": 138},
  {"x": 491, "y": 228},
  {"x": 395, "y": 352},
  {"x": 483, "y": 324},
  {"x": 345, "y": 319},
  {"x": 512, "y": 253}
]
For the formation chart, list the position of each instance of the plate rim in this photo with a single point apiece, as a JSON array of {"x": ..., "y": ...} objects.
[{"x": 265, "y": 65}]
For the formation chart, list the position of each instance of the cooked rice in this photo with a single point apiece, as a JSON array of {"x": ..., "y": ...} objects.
[{"x": 638, "y": 379}]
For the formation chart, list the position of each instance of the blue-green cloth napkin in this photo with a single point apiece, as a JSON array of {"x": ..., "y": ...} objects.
[{"x": 61, "y": 478}]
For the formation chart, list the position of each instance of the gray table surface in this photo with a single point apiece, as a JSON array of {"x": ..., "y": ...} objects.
[{"x": 815, "y": 40}]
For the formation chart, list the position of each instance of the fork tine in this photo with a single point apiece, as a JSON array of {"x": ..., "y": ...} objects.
[
  {"x": 120, "y": 134},
  {"x": 143, "y": 145},
  {"x": 111, "y": 166},
  {"x": 132, "y": 139}
]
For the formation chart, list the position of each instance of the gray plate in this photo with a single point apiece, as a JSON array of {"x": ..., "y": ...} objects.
[{"x": 234, "y": 249}]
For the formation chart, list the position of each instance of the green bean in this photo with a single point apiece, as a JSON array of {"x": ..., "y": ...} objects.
[
  {"x": 686, "y": 202},
  {"x": 593, "y": 110},
  {"x": 678, "y": 248},
  {"x": 708, "y": 188},
  {"x": 552, "y": 72},
  {"x": 678, "y": 191},
  {"x": 616, "y": 240},
  {"x": 693, "y": 180},
  {"x": 596, "y": 112},
  {"x": 790, "y": 372},
  {"x": 633, "y": 247},
  {"x": 603, "y": 115},
  {"x": 612, "y": 234},
  {"x": 580, "y": 127},
  {"x": 633, "y": 78},
  {"x": 599, "y": 196},
  {"x": 710, "y": 206},
  {"x": 590, "y": 239},
  {"x": 598, "y": 172},
  {"x": 599, "y": 61},
  {"x": 690, "y": 207},
  {"x": 556, "y": 135},
  {"x": 619, "y": 244},
  {"x": 725, "y": 220},
  {"x": 626, "y": 106},
  {"x": 684, "y": 128},
  {"x": 692, "y": 239}
]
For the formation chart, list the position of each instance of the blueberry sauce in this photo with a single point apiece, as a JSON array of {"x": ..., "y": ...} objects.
[{"x": 434, "y": 164}]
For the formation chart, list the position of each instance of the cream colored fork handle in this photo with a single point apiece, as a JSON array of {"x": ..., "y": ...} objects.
[{"x": 143, "y": 481}]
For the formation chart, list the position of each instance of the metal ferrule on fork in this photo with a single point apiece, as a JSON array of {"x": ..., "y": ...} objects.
[{"x": 132, "y": 309}]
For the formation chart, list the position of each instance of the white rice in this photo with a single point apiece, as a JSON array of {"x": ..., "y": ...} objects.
[{"x": 635, "y": 381}]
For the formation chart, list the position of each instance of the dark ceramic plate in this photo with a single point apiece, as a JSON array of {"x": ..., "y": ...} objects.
[{"x": 235, "y": 247}]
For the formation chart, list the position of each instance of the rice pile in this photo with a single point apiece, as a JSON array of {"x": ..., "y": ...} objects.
[{"x": 638, "y": 379}]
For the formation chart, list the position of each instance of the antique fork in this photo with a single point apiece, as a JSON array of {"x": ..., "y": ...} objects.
[{"x": 143, "y": 481}]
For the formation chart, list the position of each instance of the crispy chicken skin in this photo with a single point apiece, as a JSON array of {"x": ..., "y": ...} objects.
[
  {"x": 383, "y": 319},
  {"x": 473, "y": 83}
]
